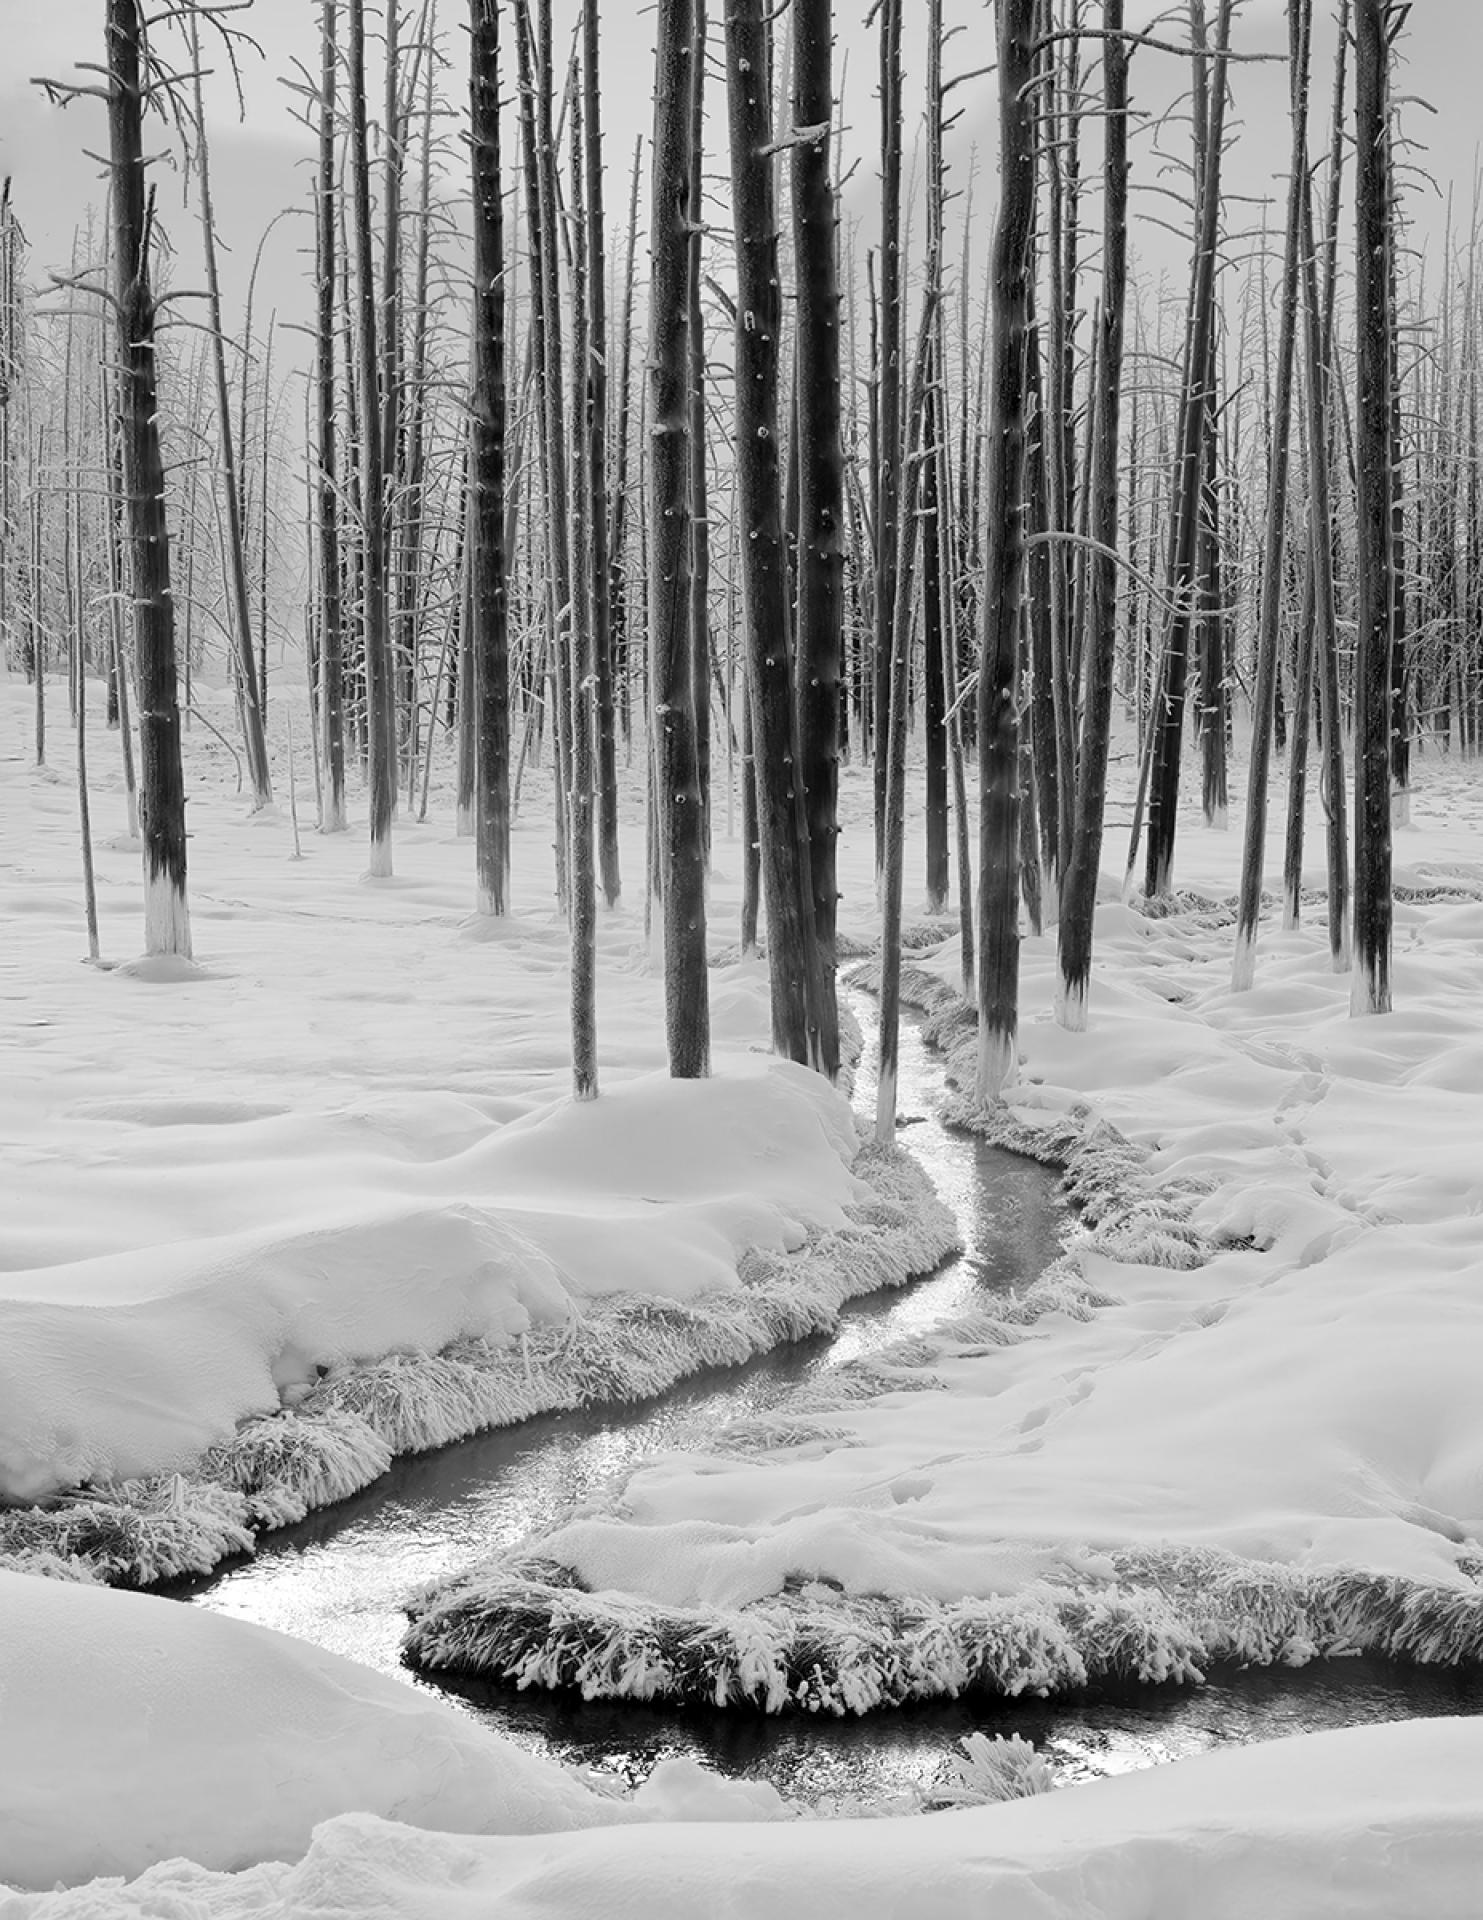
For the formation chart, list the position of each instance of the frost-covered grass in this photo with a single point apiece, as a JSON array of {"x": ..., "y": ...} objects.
[{"x": 1163, "y": 1617}]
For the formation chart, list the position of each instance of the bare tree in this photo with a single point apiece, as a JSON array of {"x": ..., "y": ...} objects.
[
  {"x": 820, "y": 463},
  {"x": 1374, "y": 22},
  {"x": 487, "y": 560},
  {"x": 680, "y": 823},
  {"x": 1004, "y": 560}
]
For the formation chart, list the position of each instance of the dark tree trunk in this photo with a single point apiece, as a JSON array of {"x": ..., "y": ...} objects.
[
  {"x": 886, "y": 463},
  {"x": 680, "y": 822},
  {"x": 162, "y": 781},
  {"x": 1168, "y": 719},
  {"x": 597, "y": 466},
  {"x": 375, "y": 615},
  {"x": 1375, "y": 532},
  {"x": 1243, "y": 966},
  {"x": 489, "y": 652},
  {"x": 1004, "y": 560},
  {"x": 1079, "y": 888},
  {"x": 820, "y": 446},
  {"x": 773, "y": 801},
  {"x": 331, "y": 604}
]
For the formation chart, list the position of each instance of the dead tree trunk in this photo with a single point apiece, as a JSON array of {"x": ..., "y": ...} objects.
[
  {"x": 1079, "y": 887},
  {"x": 487, "y": 560},
  {"x": 1004, "y": 561},
  {"x": 680, "y": 821},
  {"x": 820, "y": 622},
  {"x": 1375, "y": 484},
  {"x": 167, "y": 927},
  {"x": 375, "y": 615},
  {"x": 331, "y": 603},
  {"x": 770, "y": 737}
]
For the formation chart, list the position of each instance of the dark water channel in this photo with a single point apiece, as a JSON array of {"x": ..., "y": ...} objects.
[{"x": 338, "y": 1578}]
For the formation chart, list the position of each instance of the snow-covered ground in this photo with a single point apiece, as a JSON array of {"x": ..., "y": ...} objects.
[{"x": 347, "y": 1136}]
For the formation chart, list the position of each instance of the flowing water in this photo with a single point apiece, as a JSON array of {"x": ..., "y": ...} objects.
[{"x": 338, "y": 1578}]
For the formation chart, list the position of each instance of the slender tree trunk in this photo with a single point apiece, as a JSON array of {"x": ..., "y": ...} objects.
[
  {"x": 375, "y": 615},
  {"x": 1375, "y": 533},
  {"x": 673, "y": 694},
  {"x": 773, "y": 802},
  {"x": 886, "y": 463},
  {"x": 1004, "y": 561},
  {"x": 820, "y": 626},
  {"x": 1170, "y": 702},
  {"x": 487, "y": 559},
  {"x": 167, "y": 928},
  {"x": 331, "y": 605},
  {"x": 597, "y": 465},
  {"x": 1243, "y": 965},
  {"x": 1079, "y": 888}
]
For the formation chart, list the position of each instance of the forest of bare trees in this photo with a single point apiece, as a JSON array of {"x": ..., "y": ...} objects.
[{"x": 955, "y": 491}]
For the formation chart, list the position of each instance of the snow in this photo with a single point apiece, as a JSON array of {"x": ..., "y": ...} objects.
[
  {"x": 137, "y": 1729},
  {"x": 1368, "y": 1823},
  {"x": 321, "y": 1197}
]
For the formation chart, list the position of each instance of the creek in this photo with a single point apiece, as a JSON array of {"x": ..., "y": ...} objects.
[{"x": 337, "y": 1579}]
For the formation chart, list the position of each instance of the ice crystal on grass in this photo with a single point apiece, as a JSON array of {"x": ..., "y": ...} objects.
[
  {"x": 1167, "y": 1617},
  {"x": 137, "y": 1532},
  {"x": 991, "y": 1768},
  {"x": 289, "y": 1463},
  {"x": 49, "y": 1566}
]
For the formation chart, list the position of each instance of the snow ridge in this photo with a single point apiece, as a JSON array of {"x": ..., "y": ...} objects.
[{"x": 345, "y": 1432}]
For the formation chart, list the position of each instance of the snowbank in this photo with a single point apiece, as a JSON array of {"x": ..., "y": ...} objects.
[
  {"x": 671, "y": 1226},
  {"x": 134, "y": 1729},
  {"x": 1367, "y": 1824}
]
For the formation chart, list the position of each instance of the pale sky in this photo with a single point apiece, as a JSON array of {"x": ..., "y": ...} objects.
[{"x": 258, "y": 165}]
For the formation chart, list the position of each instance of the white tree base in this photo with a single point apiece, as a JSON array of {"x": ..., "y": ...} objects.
[
  {"x": 1365, "y": 995},
  {"x": 885, "y": 1109},
  {"x": 380, "y": 863},
  {"x": 1243, "y": 963},
  {"x": 998, "y": 1060},
  {"x": 1071, "y": 1005},
  {"x": 167, "y": 919}
]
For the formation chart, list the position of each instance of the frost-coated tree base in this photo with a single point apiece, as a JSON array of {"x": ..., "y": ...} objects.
[
  {"x": 1164, "y": 1614},
  {"x": 167, "y": 920},
  {"x": 345, "y": 1433}
]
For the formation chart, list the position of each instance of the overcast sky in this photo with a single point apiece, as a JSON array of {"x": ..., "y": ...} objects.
[{"x": 259, "y": 164}]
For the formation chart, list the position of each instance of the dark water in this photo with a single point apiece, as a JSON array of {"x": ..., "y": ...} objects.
[{"x": 338, "y": 1578}]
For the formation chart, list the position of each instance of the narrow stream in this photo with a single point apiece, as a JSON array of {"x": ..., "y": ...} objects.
[{"x": 338, "y": 1578}]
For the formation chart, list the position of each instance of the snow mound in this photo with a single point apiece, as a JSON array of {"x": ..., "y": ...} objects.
[
  {"x": 1367, "y": 1824},
  {"x": 136, "y": 1729},
  {"x": 342, "y": 1433}
]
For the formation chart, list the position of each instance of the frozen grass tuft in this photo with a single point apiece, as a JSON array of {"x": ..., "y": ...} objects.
[
  {"x": 990, "y": 1769},
  {"x": 49, "y": 1566},
  {"x": 1167, "y": 1616},
  {"x": 137, "y": 1532},
  {"x": 286, "y": 1464}
]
